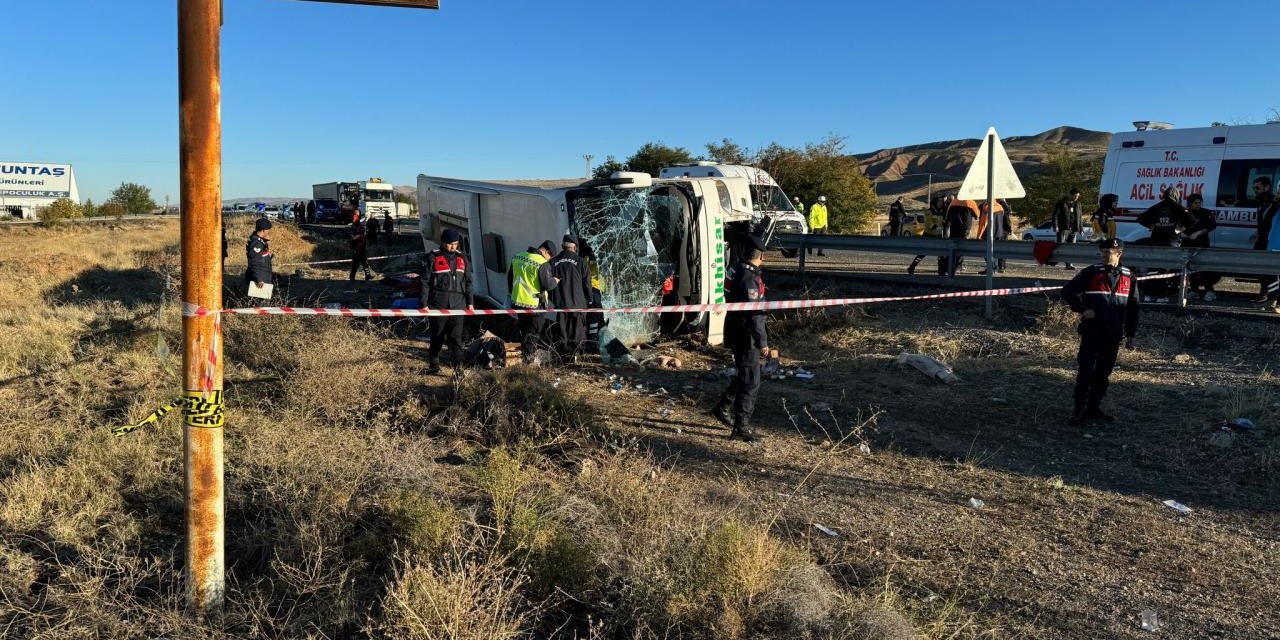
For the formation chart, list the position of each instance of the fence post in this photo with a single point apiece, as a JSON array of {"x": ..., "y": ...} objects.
[{"x": 804, "y": 245}]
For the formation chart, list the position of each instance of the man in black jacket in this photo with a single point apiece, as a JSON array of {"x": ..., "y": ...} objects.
[
  {"x": 446, "y": 284},
  {"x": 359, "y": 249},
  {"x": 1106, "y": 297},
  {"x": 573, "y": 292},
  {"x": 258, "y": 254},
  {"x": 1066, "y": 219},
  {"x": 896, "y": 212},
  {"x": 1200, "y": 224},
  {"x": 745, "y": 334},
  {"x": 1165, "y": 218},
  {"x": 1267, "y": 215}
]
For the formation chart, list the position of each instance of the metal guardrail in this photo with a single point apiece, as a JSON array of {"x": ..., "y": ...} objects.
[{"x": 1187, "y": 259}]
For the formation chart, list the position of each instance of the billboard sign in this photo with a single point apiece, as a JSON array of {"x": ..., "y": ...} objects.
[{"x": 35, "y": 180}]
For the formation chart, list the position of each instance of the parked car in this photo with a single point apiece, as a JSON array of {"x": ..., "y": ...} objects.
[
  {"x": 271, "y": 211},
  {"x": 912, "y": 226},
  {"x": 1044, "y": 231}
]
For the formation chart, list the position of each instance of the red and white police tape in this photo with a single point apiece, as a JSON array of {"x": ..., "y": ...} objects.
[
  {"x": 397, "y": 255},
  {"x": 189, "y": 309}
]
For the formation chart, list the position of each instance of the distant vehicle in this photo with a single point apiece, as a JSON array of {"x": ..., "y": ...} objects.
[
  {"x": 328, "y": 211},
  {"x": 241, "y": 208},
  {"x": 271, "y": 211},
  {"x": 912, "y": 225},
  {"x": 767, "y": 198},
  {"x": 1219, "y": 163},
  {"x": 371, "y": 197},
  {"x": 286, "y": 214},
  {"x": 1044, "y": 231}
]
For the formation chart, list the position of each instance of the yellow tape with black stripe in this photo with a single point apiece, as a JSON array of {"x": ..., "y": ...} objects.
[{"x": 200, "y": 412}]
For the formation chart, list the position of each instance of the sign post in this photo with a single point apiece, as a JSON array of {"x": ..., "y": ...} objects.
[
  {"x": 990, "y": 177},
  {"x": 200, "y": 167}
]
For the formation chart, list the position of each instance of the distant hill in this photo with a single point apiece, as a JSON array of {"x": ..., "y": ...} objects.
[{"x": 949, "y": 160}]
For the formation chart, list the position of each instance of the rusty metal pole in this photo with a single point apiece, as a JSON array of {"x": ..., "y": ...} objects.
[{"x": 200, "y": 157}]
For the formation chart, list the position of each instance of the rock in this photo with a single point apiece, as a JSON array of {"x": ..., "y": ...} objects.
[{"x": 1222, "y": 439}]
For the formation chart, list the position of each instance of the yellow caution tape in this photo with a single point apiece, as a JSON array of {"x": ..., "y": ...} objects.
[{"x": 200, "y": 412}]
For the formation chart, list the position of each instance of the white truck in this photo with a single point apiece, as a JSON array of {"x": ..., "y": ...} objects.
[
  {"x": 376, "y": 199},
  {"x": 1220, "y": 163},
  {"x": 767, "y": 198},
  {"x": 369, "y": 197},
  {"x": 654, "y": 241}
]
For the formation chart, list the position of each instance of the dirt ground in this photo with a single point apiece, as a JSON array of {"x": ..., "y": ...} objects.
[{"x": 870, "y": 468}]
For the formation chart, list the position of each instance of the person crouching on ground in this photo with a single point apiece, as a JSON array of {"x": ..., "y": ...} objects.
[
  {"x": 446, "y": 284},
  {"x": 1106, "y": 297}
]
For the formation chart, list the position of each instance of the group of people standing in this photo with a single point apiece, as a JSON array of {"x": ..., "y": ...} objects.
[{"x": 951, "y": 217}]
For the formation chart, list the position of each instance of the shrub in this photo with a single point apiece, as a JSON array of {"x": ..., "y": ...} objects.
[
  {"x": 57, "y": 211},
  {"x": 463, "y": 597}
]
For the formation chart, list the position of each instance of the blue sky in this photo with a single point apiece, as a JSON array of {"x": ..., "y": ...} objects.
[{"x": 315, "y": 92}]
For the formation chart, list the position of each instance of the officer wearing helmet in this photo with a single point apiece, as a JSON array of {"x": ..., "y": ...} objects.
[
  {"x": 818, "y": 220},
  {"x": 1106, "y": 297}
]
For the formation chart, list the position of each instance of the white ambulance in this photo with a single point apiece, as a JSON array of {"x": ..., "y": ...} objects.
[{"x": 1219, "y": 163}]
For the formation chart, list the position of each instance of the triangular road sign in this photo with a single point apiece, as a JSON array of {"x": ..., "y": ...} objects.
[{"x": 1005, "y": 183}]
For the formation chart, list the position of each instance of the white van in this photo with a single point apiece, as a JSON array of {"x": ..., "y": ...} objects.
[
  {"x": 767, "y": 198},
  {"x": 1219, "y": 163}
]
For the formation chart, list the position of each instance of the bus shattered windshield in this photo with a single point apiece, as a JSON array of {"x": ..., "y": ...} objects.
[{"x": 639, "y": 240}]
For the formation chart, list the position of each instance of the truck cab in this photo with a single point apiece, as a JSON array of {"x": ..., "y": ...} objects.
[
  {"x": 653, "y": 242},
  {"x": 767, "y": 198},
  {"x": 376, "y": 198}
]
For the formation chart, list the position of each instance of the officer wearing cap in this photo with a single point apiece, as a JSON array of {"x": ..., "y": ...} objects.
[
  {"x": 744, "y": 333},
  {"x": 1106, "y": 297},
  {"x": 446, "y": 284},
  {"x": 529, "y": 279},
  {"x": 572, "y": 292},
  {"x": 258, "y": 254}
]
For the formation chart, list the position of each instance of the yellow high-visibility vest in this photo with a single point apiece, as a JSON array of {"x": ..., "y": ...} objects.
[
  {"x": 818, "y": 216},
  {"x": 526, "y": 288}
]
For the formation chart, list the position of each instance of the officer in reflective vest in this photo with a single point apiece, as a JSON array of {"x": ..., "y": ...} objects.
[
  {"x": 745, "y": 334},
  {"x": 446, "y": 284},
  {"x": 1106, "y": 297},
  {"x": 529, "y": 280}
]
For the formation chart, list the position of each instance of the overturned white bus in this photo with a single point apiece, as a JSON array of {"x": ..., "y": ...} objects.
[{"x": 665, "y": 241}]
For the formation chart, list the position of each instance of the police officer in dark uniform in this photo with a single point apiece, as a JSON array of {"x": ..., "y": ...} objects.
[
  {"x": 446, "y": 284},
  {"x": 1106, "y": 297},
  {"x": 745, "y": 334},
  {"x": 573, "y": 292},
  {"x": 258, "y": 254},
  {"x": 359, "y": 249}
]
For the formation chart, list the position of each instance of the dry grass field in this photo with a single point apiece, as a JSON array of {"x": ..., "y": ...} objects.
[{"x": 367, "y": 499}]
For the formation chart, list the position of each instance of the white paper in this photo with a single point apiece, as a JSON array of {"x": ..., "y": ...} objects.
[{"x": 263, "y": 292}]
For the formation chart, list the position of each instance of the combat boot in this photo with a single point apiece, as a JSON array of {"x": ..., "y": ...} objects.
[
  {"x": 433, "y": 367},
  {"x": 742, "y": 431},
  {"x": 1077, "y": 416},
  {"x": 721, "y": 413}
]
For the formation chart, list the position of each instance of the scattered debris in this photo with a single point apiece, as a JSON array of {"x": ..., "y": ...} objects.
[
  {"x": 615, "y": 387},
  {"x": 662, "y": 362},
  {"x": 998, "y": 400},
  {"x": 931, "y": 597},
  {"x": 1178, "y": 506},
  {"x": 829, "y": 531},
  {"x": 1244, "y": 424},
  {"x": 664, "y": 412},
  {"x": 976, "y": 503},
  {"x": 333, "y": 305},
  {"x": 555, "y": 384},
  {"x": 1149, "y": 620},
  {"x": 865, "y": 448},
  {"x": 929, "y": 366}
]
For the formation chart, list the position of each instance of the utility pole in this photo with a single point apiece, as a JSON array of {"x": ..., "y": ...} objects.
[
  {"x": 200, "y": 195},
  {"x": 587, "y": 157},
  {"x": 200, "y": 161}
]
